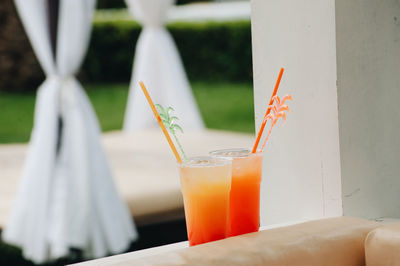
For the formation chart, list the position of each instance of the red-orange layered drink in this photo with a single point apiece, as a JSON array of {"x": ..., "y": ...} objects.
[{"x": 244, "y": 206}]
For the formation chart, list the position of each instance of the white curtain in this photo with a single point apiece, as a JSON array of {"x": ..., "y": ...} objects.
[
  {"x": 66, "y": 198},
  {"x": 158, "y": 65}
]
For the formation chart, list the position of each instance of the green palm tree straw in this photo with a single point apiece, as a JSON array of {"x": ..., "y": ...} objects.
[{"x": 170, "y": 122}]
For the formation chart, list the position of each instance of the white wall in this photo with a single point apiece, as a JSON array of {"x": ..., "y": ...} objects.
[
  {"x": 368, "y": 58},
  {"x": 301, "y": 174}
]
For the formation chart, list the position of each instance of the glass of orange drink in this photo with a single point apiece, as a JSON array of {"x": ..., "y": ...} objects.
[
  {"x": 244, "y": 209},
  {"x": 206, "y": 184}
]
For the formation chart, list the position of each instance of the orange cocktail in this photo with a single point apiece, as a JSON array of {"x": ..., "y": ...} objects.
[
  {"x": 244, "y": 209},
  {"x": 206, "y": 183}
]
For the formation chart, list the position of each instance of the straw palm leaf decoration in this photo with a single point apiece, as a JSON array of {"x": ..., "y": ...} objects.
[
  {"x": 170, "y": 123},
  {"x": 278, "y": 110}
]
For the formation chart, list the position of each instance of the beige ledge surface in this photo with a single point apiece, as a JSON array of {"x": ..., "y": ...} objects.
[
  {"x": 382, "y": 246},
  {"x": 328, "y": 242}
]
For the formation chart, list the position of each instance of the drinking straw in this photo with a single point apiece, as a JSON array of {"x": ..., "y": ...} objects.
[
  {"x": 271, "y": 101},
  {"x": 164, "y": 129}
]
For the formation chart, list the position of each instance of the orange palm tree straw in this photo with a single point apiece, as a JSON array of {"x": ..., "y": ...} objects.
[
  {"x": 164, "y": 129},
  {"x": 260, "y": 132}
]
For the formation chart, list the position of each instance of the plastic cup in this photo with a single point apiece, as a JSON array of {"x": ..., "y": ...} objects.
[
  {"x": 244, "y": 209},
  {"x": 206, "y": 184}
]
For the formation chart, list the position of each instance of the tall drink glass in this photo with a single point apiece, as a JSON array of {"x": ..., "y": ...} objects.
[
  {"x": 244, "y": 209},
  {"x": 206, "y": 183}
]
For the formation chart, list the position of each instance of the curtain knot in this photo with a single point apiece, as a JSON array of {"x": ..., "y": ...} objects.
[{"x": 61, "y": 78}]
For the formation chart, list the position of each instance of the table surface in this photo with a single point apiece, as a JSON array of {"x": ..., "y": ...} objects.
[{"x": 152, "y": 193}]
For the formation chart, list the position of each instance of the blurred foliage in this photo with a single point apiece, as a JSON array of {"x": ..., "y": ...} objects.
[
  {"x": 213, "y": 51},
  {"x": 184, "y": 2},
  {"x": 104, "y": 4},
  {"x": 19, "y": 69},
  {"x": 110, "y": 53}
]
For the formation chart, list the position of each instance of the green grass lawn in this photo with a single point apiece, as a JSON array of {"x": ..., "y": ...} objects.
[{"x": 225, "y": 106}]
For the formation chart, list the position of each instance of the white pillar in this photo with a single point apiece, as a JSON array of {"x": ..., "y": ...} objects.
[
  {"x": 301, "y": 168},
  {"x": 342, "y": 61},
  {"x": 368, "y": 57}
]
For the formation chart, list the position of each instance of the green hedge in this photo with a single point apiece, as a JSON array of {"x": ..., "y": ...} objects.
[
  {"x": 104, "y": 4},
  {"x": 209, "y": 50}
]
